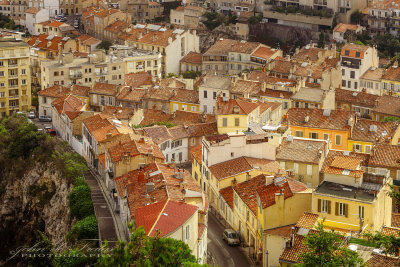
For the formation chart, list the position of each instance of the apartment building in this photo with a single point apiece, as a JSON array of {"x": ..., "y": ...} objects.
[
  {"x": 51, "y": 7},
  {"x": 228, "y": 56},
  {"x": 33, "y": 16},
  {"x": 105, "y": 17},
  {"x": 172, "y": 44},
  {"x": 142, "y": 10},
  {"x": 99, "y": 67},
  {"x": 390, "y": 80},
  {"x": 15, "y": 79},
  {"x": 187, "y": 17},
  {"x": 355, "y": 61},
  {"x": 353, "y": 197},
  {"x": 178, "y": 214},
  {"x": 54, "y": 28},
  {"x": 18, "y": 9},
  {"x": 5, "y": 8},
  {"x": 384, "y": 17},
  {"x": 371, "y": 81},
  {"x": 191, "y": 62},
  {"x": 310, "y": 14}
]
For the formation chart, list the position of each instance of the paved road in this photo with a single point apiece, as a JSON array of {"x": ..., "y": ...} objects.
[
  {"x": 224, "y": 255},
  {"x": 103, "y": 214}
]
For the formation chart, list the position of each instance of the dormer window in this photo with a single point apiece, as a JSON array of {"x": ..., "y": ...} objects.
[
  {"x": 347, "y": 52},
  {"x": 357, "y": 54}
]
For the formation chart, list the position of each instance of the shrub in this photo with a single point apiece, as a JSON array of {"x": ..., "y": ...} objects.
[
  {"x": 191, "y": 74},
  {"x": 80, "y": 202},
  {"x": 84, "y": 229}
]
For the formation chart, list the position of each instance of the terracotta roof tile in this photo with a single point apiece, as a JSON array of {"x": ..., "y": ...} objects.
[
  {"x": 202, "y": 129},
  {"x": 193, "y": 58},
  {"x": 389, "y": 105},
  {"x": 178, "y": 132},
  {"x": 197, "y": 154},
  {"x": 105, "y": 89},
  {"x": 230, "y": 168},
  {"x": 301, "y": 150},
  {"x": 147, "y": 216},
  {"x": 342, "y": 27},
  {"x": 117, "y": 26},
  {"x": 336, "y": 162},
  {"x": 385, "y": 155},
  {"x": 307, "y": 53},
  {"x": 186, "y": 96},
  {"x": 382, "y": 261},
  {"x": 264, "y": 52},
  {"x": 131, "y": 95},
  {"x": 337, "y": 120},
  {"x": 68, "y": 103},
  {"x": 270, "y": 167},
  {"x": 353, "y": 48},
  {"x": 390, "y": 231},
  {"x": 228, "y": 107},
  {"x": 396, "y": 220},
  {"x": 356, "y": 98},
  {"x": 201, "y": 228},
  {"x": 138, "y": 79},
  {"x": 160, "y": 93},
  {"x": 275, "y": 93},
  {"x": 32, "y": 10},
  {"x": 307, "y": 220},
  {"x": 119, "y": 112},
  {"x": 227, "y": 194},
  {"x": 284, "y": 231},
  {"x": 179, "y": 117},
  {"x": 159, "y": 134},
  {"x": 346, "y": 162},
  {"x": 362, "y": 131},
  {"x": 247, "y": 191},
  {"x": 99, "y": 125},
  {"x": 267, "y": 193},
  {"x": 292, "y": 254},
  {"x": 245, "y": 87},
  {"x": 54, "y": 91},
  {"x": 374, "y": 74}
]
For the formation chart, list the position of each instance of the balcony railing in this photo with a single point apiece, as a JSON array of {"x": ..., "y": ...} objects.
[
  {"x": 101, "y": 73},
  {"x": 376, "y": 171},
  {"x": 13, "y": 65},
  {"x": 75, "y": 75},
  {"x": 13, "y": 86}
]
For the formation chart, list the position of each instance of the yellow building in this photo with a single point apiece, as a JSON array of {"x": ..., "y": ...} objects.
[
  {"x": 353, "y": 197},
  {"x": 280, "y": 201},
  {"x": 183, "y": 99},
  {"x": 235, "y": 115},
  {"x": 366, "y": 133},
  {"x": 390, "y": 80},
  {"x": 15, "y": 79},
  {"x": 332, "y": 125},
  {"x": 303, "y": 158}
]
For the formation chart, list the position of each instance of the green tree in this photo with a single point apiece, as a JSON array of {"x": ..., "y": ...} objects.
[
  {"x": 191, "y": 74},
  {"x": 10, "y": 25},
  {"x": 45, "y": 246},
  {"x": 356, "y": 17},
  {"x": 105, "y": 44},
  {"x": 389, "y": 243},
  {"x": 86, "y": 228},
  {"x": 391, "y": 118},
  {"x": 321, "y": 40},
  {"x": 146, "y": 251},
  {"x": 324, "y": 249}
]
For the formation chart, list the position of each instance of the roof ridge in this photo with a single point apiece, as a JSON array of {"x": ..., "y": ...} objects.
[{"x": 158, "y": 217}]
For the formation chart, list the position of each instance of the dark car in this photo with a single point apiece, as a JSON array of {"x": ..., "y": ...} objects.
[
  {"x": 51, "y": 132},
  {"x": 45, "y": 118}
]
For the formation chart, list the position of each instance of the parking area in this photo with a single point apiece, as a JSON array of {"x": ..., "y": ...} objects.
[{"x": 42, "y": 126}]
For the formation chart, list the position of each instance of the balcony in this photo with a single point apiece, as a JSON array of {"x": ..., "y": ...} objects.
[
  {"x": 12, "y": 65},
  {"x": 14, "y": 96},
  {"x": 13, "y": 86},
  {"x": 12, "y": 76},
  {"x": 76, "y": 75},
  {"x": 308, "y": 16},
  {"x": 101, "y": 73}
]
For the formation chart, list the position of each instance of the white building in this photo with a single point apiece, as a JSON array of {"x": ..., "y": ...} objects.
[
  {"x": 212, "y": 86},
  {"x": 355, "y": 61},
  {"x": 35, "y": 15},
  {"x": 52, "y": 7}
]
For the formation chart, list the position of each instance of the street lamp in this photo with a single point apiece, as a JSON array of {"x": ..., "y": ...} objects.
[{"x": 266, "y": 254}]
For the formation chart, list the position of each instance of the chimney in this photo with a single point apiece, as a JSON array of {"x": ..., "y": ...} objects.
[
  {"x": 108, "y": 135},
  {"x": 269, "y": 179},
  {"x": 141, "y": 176},
  {"x": 292, "y": 237},
  {"x": 60, "y": 89},
  {"x": 149, "y": 187}
]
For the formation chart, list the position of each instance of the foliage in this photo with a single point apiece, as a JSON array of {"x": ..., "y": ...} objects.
[
  {"x": 161, "y": 123},
  {"x": 10, "y": 25},
  {"x": 84, "y": 229},
  {"x": 71, "y": 165},
  {"x": 43, "y": 192},
  {"x": 325, "y": 250},
  {"x": 334, "y": 22},
  {"x": 389, "y": 243},
  {"x": 255, "y": 19},
  {"x": 391, "y": 118},
  {"x": 45, "y": 246},
  {"x": 171, "y": 74},
  {"x": 362, "y": 242},
  {"x": 230, "y": 19},
  {"x": 80, "y": 202},
  {"x": 74, "y": 258},
  {"x": 324, "y": 12},
  {"x": 395, "y": 194},
  {"x": 321, "y": 40},
  {"x": 356, "y": 17},
  {"x": 191, "y": 74},
  {"x": 142, "y": 250},
  {"x": 105, "y": 44},
  {"x": 213, "y": 20}
]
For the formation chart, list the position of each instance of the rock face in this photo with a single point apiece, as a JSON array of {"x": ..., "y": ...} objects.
[{"x": 36, "y": 201}]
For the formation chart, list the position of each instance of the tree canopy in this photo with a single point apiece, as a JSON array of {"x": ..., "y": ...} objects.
[
  {"x": 105, "y": 44},
  {"x": 145, "y": 251},
  {"x": 325, "y": 249}
]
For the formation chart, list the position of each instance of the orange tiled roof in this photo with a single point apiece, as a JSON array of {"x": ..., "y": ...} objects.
[
  {"x": 227, "y": 194},
  {"x": 193, "y": 58},
  {"x": 307, "y": 53},
  {"x": 337, "y": 120},
  {"x": 341, "y": 161},
  {"x": 32, "y": 10},
  {"x": 342, "y": 27},
  {"x": 159, "y": 134},
  {"x": 384, "y": 131},
  {"x": 301, "y": 150},
  {"x": 385, "y": 155},
  {"x": 284, "y": 231},
  {"x": 307, "y": 220},
  {"x": 134, "y": 148},
  {"x": 230, "y": 168},
  {"x": 138, "y": 79},
  {"x": 267, "y": 193},
  {"x": 106, "y": 12},
  {"x": 396, "y": 220},
  {"x": 68, "y": 103},
  {"x": 356, "y": 98},
  {"x": 390, "y": 231},
  {"x": 346, "y": 162},
  {"x": 55, "y": 23},
  {"x": 120, "y": 113},
  {"x": 117, "y": 26},
  {"x": 247, "y": 191},
  {"x": 244, "y": 87},
  {"x": 292, "y": 254},
  {"x": 228, "y": 107},
  {"x": 389, "y": 105},
  {"x": 353, "y": 49},
  {"x": 131, "y": 95},
  {"x": 264, "y": 52},
  {"x": 54, "y": 91},
  {"x": 179, "y": 117},
  {"x": 186, "y": 96},
  {"x": 104, "y": 88},
  {"x": 382, "y": 261},
  {"x": 100, "y": 126},
  {"x": 224, "y": 46},
  {"x": 197, "y": 153}
]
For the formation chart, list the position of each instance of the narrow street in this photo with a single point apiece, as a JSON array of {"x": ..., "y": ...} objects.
[{"x": 224, "y": 255}]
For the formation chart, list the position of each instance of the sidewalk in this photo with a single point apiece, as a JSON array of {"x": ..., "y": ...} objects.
[
  {"x": 107, "y": 195},
  {"x": 244, "y": 250}
]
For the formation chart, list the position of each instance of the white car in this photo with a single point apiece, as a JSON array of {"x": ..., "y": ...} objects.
[{"x": 31, "y": 115}]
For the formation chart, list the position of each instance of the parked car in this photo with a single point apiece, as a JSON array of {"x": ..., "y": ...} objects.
[
  {"x": 230, "y": 237},
  {"x": 76, "y": 24},
  {"x": 31, "y": 115},
  {"x": 51, "y": 132},
  {"x": 45, "y": 118}
]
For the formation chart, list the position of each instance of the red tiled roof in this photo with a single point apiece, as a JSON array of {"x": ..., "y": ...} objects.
[
  {"x": 179, "y": 117},
  {"x": 131, "y": 95},
  {"x": 120, "y": 113},
  {"x": 342, "y": 27},
  {"x": 32, "y": 10},
  {"x": 384, "y": 131},
  {"x": 104, "y": 88},
  {"x": 228, "y": 107},
  {"x": 284, "y": 231},
  {"x": 197, "y": 153},
  {"x": 186, "y": 96},
  {"x": 382, "y": 261},
  {"x": 389, "y": 105},
  {"x": 227, "y": 194},
  {"x": 247, "y": 191},
  {"x": 307, "y": 220},
  {"x": 100, "y": 126},
  {"x": 222, "y": 47},
  {"x": 193, "y": 58},
  {"x": 385, "y": 155},
  {"x": 356, "y": 98},
  {"x": 337, "y": 120},
  {"x": 396, "y": 220},
  {"x": 267, "y": 193},
  {"x": 68, "y": 103},
  {"x": 147, "y": 216},
  {"x": 138, "y": 79},
  {"x": 229, "y": 168},
  {"x": 264, "y": 52}
]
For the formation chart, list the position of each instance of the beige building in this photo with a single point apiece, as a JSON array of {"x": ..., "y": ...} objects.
[
  {"x": 186, "y": 16},
  {"x": 99, "y": 67},
  {"x": 232, "y": 56},
  {"x": 15, "y": 79},
  {"x": 191, "y": 62},
  {"x": 172, "y": 44},
  {"x": 54, "y": 28}
]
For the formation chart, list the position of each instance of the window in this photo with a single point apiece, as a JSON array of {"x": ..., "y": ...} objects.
[
  {"x": 357, "y": 54},
  {"x": 326, "y": 136},
  {"x": 338, "y": 140},
  {"x": 236, "y": 121},
  {"x": 324, "y": 206},
  {"x": 309, "y": 169},
  {"x": 357, "y": 148},
  {"x": 346, "y": 52},
  {"x": 361, "y": 212},
  {"x": 224, "y": 122},
  {"x": 355, "y": 85},
  {"x": 313, "y": 135},
  {"x": 297, "y": 104},
  {"x": 205, "y": 94},
  {"x": 344, "y": 83},
  {"x": 296, "y": 168},
  {"x": 299, "y": 133},
  {"x": 187, "y": 233},
  {"x": 214, "y": 95},
  {"x": 349, "y": 84},
  {"x": 341, "y": 209},
  {"x": 343, "y": 72},
  {"x": 2, "y": 94},
  {"x": 285, "y": 105},
  {"x": 352, "y": 74},
  {"x": 367, "y": 149}
]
